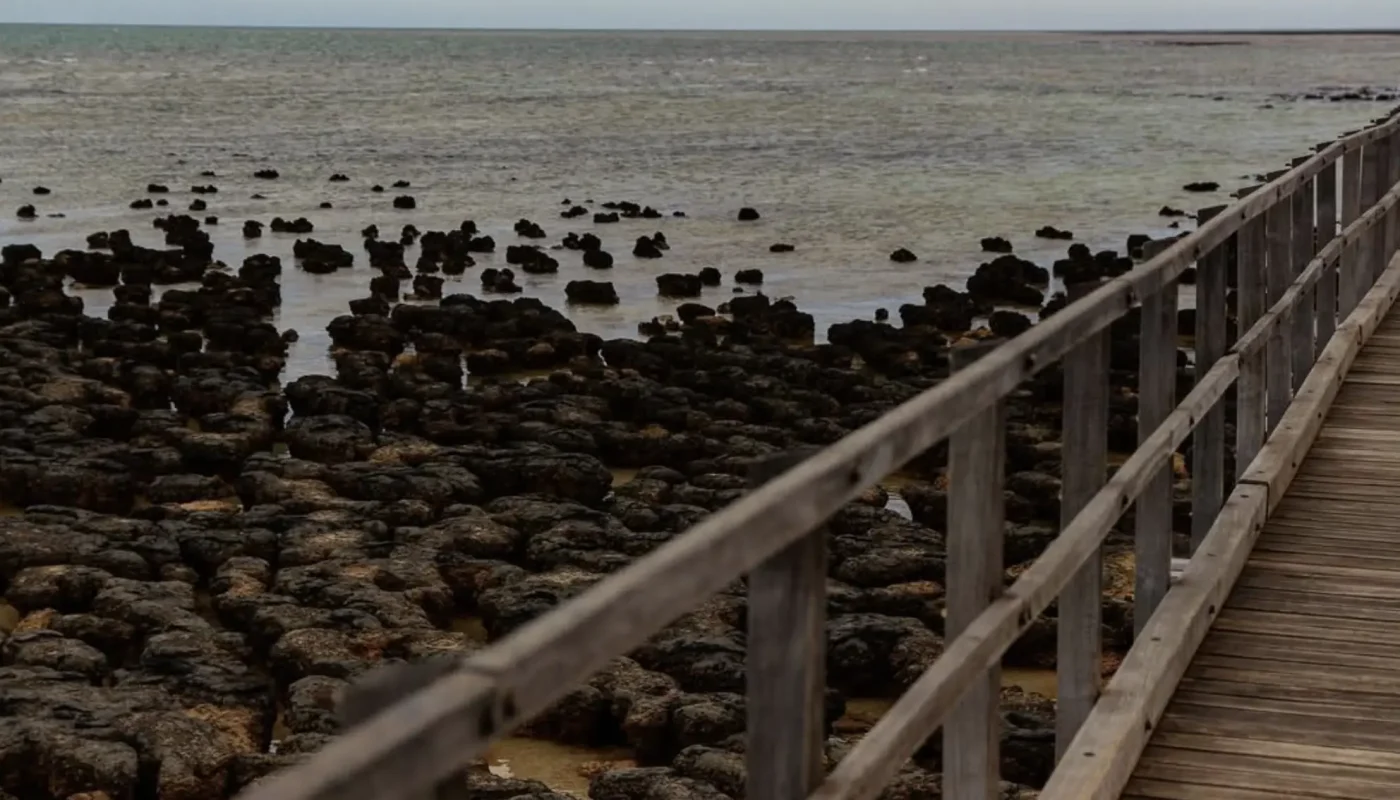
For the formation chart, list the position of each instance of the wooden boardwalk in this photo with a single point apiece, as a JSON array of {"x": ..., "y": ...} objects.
[
  {"x": 1295, "y": 691},
  {"x": 1265, "y": 671}
]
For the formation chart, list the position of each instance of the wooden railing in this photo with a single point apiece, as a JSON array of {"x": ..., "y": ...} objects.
[{"x": 1296, "y": 278}]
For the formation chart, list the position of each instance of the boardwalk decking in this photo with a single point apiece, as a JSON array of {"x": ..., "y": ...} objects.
[{"x": 1295, "y": 693}]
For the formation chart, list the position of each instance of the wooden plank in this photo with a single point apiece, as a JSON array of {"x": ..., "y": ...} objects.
[
  {"x": 1208, "y": 442},
  {"x": 1171, "y": 790},
  {"x": 1281, "y": 456},
  {"x": 1252, "y": 293},
  {"x": 1327, "y": 206},
  {"x": 1269, "y": 728},
  {"x": 1320, "y": 754},
  {"x": 1348, "y": 273},
  {"x": 1103, "y": 754},
  {"x": 902, "y": 730},
  {"x": 785, "y": 667},
  {"x": 976, "y": 473},
  {"x": 1084, "y": 467},
  {"x": 1115, "y": 733},
  {"x": 1244, "y": 772},
  {"x": 1371, "y": 244},
  {"x": 404, "y": 751},
  {"x": 1152, "y": 548},
  {"x": 1278, "y": 226},
  {"x": 1301, "y": 345}
]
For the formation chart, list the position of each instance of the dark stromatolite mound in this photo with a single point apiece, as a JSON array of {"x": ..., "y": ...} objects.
[
  {"x": 595, "y": 292},
  {"x": 747, "y": 214},
  {"x": 27, "y": 212},
  {"x": 1201, "y": 186},
  {"x": 405, "y": 202},
  {"x": 996, "y": 244},
  {"x": 903, "y": 256},
  {"x": 677, "y": 285},
  {"x": 1051, "y": 232}
]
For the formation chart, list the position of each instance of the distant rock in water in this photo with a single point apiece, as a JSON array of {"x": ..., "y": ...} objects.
[
  {"x": 710, "y": 276},
  {"x": 782, "y": 248},
  {"x": 267, "y": 174},
  {"x": 27, "y": 212},
  {"x": 676, "y": 285},
  {"x": 401, "y": 184},
  {"x": 208, "y": 173},
  {"x": 298, "y": 225},
  {"x": 1168, "y": 211},
  {"x": 593, "y": 292},
  {"x": 606, "y": 218},
  {"x": 747, "y": 214},
  {"x": 903, "y": 256},
  {"x": 207, "y": 189},
  {"x": 211, "y": 220},
  {"x": 252, "y": 229},
  {"x": 162, "y": 202},
  {"x": 996, "y": 244},
  {"x": 529, "y": 230},
  {"x": 597, "y": 259},
  {"x": 1202, "y": 186},
  {"x": 405, "y": 202},
  {"x": 143, "y": 203},
  {"x": 327, "y": 204},
  {"x": 647, "y": 248},
  {"x": 198, "y": 205},
  {"x": 376, "y": 188},
  {"x": 751, "y": 277},
  {"x": 42, "y": 190},
  {"x": 340, "y": 177},
  {"x": 1051, "y": 232}
]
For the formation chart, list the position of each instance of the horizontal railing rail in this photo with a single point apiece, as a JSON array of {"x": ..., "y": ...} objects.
[{"x": 1296, "y": 278}]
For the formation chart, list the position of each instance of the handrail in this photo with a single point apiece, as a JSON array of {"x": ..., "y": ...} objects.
[{"x": 413, "y": 745}]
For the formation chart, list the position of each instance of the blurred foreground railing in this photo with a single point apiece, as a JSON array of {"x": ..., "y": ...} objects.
[{"x": 1297, "y": 278}]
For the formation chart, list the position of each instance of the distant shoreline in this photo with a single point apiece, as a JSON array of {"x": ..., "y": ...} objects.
[{"x": 700, "y": 31}]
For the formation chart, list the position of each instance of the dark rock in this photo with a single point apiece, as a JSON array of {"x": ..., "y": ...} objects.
[
  {"x": 1051, "y": 232},
  {"x": 677, "y": 285},
  {"x": 903, "y": 256},
  {"x": 996, "y": 244},
  {"x": 405, "y": 202},
  {"x": 747, "y": 214},
  {"x": 1202, "y": 186},
  {"x": 595, "y": 292}
]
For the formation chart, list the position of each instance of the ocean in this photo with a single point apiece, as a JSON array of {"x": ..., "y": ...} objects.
[{"x": 850, "y": 145}]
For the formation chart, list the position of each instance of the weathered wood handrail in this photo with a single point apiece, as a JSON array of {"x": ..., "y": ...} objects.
[{"x": 772, "y": 534}]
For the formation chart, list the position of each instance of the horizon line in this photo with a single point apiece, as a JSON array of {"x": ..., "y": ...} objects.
[{"x": 488, "y": 29}]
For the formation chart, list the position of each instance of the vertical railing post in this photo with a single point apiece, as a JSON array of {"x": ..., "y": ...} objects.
[
  {"x": 1327, "y": 281},
  {"x": 1349, "y": 272},
  {"x": 976, "y": 473},
  {"x": 786, "y": 663},
  {"x": 1250, "y": 414},
  {"x": 1156, "y": 398},
  {"x": 1373, "y": 161},
  {"x": 1278, "y": 227},
  {"x": 1084, "y": 454},
  {"x": 1389, "y": 232},
  {"x": 1304, "y": 316},
  {"x": 1208, "y": 440}
]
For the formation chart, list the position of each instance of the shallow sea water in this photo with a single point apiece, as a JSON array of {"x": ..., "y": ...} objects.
[{"x": 850, "y": 145}]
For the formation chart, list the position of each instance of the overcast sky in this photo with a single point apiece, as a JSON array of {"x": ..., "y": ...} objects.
[{"x": 761, "y": 14}]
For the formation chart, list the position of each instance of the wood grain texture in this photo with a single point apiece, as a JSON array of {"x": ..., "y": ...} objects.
[
  {"x": 1208, "y": 443},
  {"x": 1152, "y": 548},
  {"x": 1348, "y": 273},
  {"x": 1301, "y": 345},
  {"x": 1270, "y": 618},
  {"x": 785, "y": 666},
  {"x": 1084, "y": 467},
  {"x": 1327, "y": 230},
  {"x": 976, "y": 474},
  {"x": 1278, "y": 226}
]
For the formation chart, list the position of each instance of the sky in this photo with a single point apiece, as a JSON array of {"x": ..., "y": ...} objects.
[{"x": 725, "y": 14}]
